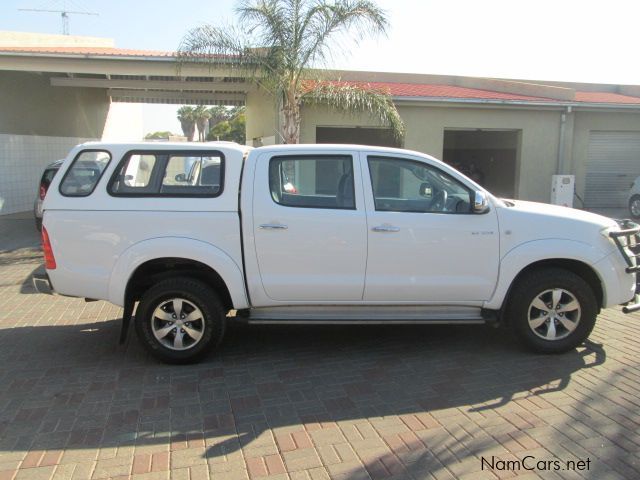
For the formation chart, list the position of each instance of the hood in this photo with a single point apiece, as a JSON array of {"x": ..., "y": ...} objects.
[
  {"x": 530, "y": 221},
  {"x": 557, "y": 212}
]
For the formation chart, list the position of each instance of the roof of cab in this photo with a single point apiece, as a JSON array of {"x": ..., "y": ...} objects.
[
  {"x": 168, "y": 145},
  {"x": 339, "y": 147}
]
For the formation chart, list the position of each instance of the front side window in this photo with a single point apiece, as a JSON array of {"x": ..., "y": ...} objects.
[
  {"x": 84, "y": 173},
  {"x": 313, "y": 181},
  {"x": 169, "y": 174},
  {"x": 401, "y": 185}
]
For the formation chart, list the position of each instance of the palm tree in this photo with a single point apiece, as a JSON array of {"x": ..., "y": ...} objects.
[
  {"x": 187, "y": 120},
  {"x": 278, "y": 43},
  {"x": 217, "y": 114},
  {"x": 201, "y": 115}
]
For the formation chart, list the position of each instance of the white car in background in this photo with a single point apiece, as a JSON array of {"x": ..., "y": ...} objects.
[{"x": 634, "y": 198}]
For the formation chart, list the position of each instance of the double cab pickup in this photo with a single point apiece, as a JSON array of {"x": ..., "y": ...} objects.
[{"x": 192, "y": 236}]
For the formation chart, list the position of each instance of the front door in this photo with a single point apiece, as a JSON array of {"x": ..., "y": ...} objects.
[
  {"x": 310, "y": 227},
  {"x": 425, "y": 245}
]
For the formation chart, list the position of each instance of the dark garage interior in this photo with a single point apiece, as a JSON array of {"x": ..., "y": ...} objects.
[{"x": 489, "y": 157}]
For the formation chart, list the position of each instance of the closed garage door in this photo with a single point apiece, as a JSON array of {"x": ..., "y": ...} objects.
[{"x": 612, "y": 165}]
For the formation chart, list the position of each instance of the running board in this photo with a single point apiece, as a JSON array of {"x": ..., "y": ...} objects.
[{"x": 370, "y": 315}]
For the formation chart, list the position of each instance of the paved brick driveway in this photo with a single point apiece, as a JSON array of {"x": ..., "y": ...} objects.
[{"x": 301, "y": 403}]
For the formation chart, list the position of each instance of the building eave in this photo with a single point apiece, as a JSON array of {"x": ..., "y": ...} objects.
[{"x": 517, "y": 103}]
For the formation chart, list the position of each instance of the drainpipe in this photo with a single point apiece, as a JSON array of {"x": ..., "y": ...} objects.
[{"x": 562, "y": 141}]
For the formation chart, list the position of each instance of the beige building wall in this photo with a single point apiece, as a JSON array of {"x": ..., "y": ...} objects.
[
  {"x": 29, "y": 105},
  {"x": 262, "y": 117},
  {"x": 584, "y": 123},
  {"x": 38, "y": 125},
  {"x": 425, "y": 126}
]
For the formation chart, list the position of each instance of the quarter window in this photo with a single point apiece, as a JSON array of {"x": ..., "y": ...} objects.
[
  {"x": 170, "y": 174},
  {"x": 401, "y": 185},
  {"x": 314, "y": 181},
  {"x": 84, "y": 173}
]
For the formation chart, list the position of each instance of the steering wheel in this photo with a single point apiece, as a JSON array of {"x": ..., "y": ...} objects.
[{"x": 439, "y": 201}]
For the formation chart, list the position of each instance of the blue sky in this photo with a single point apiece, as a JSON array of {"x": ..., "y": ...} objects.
[{"x": 588, "y": 40}]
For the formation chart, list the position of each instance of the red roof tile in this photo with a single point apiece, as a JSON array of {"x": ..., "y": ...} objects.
[
  {"x": 605, "y": 97},
  {"x": 442, "y": 91},
  {"x": 392, "y": 88}
]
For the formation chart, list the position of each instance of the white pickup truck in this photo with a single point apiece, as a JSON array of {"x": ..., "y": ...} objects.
[{"x": 198, "y": 235}]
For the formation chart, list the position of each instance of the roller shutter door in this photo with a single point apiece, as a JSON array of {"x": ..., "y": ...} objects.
[{"x": 613, "y": 163}]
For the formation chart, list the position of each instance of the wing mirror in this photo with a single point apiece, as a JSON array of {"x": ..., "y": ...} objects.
[{"x": 480, "y": 202}]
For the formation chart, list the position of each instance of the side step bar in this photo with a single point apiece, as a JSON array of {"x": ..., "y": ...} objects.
[
  {"x": 310, "y": 321},
  {"x": 367, "y": 315}
]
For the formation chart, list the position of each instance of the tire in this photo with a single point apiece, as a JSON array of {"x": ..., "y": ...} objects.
[
  {"x": 162, "y": 333},
  {"x": 634, "y": 206},
  {"x": 572, "y": 322}
]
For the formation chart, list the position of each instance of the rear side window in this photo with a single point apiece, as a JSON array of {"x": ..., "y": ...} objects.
[
  {"x": 313, "y": 181},
  {"x": 84, "y": 173},
  {"x": 169, "y": 174}
]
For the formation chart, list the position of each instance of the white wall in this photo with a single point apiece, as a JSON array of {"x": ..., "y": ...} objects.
[
  {"x": 22, "y": 160},
  {"x": 124, "y": 123}
]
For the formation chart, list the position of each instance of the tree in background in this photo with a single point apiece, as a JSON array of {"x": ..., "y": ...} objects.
[
  {"x": 218, "y": 113},
  {"x": 277, "y": 43},
  {"x": 233, "y": 129},
  {"x": 187, "y": 119},
  {"x": 201, "y": 115},
  {"x": 159, "y": 135}
]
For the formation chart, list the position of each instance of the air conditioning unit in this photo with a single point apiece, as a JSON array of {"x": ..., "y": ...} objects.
[{"x": 562, "y": 190}]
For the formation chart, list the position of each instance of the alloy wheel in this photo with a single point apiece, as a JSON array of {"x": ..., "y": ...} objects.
[
  {"x": 554, "y": 314},
  {"x": 177, "y": 324}
]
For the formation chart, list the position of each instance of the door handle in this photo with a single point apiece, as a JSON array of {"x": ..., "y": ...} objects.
[
  {"x": 273, "y": 226},
  {"x": 385, "y": 228}
]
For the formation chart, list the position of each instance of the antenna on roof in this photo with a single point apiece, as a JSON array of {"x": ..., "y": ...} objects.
[{"x": 64, "y": 15}]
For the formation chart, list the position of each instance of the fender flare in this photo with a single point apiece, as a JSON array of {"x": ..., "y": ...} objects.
[
  {"x": 525, "y": 254},
  {"x": 176, "y": 247}
]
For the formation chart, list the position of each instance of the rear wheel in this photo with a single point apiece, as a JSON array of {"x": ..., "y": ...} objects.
[
  {"x": 179, "y": 320},
  {"x": 552, "y": 310}
]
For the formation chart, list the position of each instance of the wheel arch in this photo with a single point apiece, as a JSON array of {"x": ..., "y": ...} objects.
[
  {"x": 148, "y": 261},
  {"x": 577, "y": 257},
  {"x": 158, "y": 269},
  {"x": 582, "y": 269}
]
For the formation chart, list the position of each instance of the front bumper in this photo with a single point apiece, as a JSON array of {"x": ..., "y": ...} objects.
[{"x": 627, "y": 239}]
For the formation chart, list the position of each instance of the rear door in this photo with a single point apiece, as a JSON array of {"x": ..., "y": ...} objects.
[{"x": 309, "y": 226}]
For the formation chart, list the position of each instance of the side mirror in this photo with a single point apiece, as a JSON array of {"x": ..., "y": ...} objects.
[
  {"x": 480, "y": 202},
  {"x": 181, "y": 177}
]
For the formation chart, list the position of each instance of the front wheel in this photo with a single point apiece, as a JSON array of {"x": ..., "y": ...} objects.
[
  {"x": 552, "y": 310},
  {"x": 179, "y": 320}
]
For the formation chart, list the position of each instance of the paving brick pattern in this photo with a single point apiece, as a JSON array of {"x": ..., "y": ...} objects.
[{"x": 302, "y": 403}]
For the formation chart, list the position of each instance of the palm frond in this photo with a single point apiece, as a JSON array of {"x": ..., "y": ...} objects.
[
  {"x": 350, "y": 98},
  {"x": 356, "y": 18}
]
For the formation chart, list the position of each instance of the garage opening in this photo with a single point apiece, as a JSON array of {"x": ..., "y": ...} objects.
[
  {"x": 613, "y": 164},
  {"x": 489, "y": 157},
  {"x": 380, "y": 137}
]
